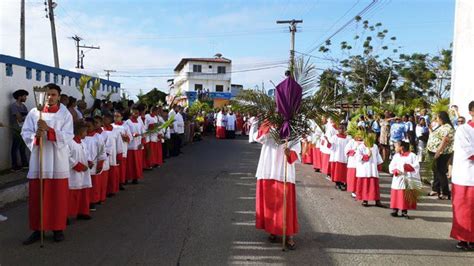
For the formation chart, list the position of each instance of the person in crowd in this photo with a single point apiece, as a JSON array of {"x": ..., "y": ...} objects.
[
  {"x": 253, "y": 128},
  {"x": 454, "y": 114},
  {"x": 440, "y": 148},
  {"x": 124, "y": 140},
  {"x": 64, "y": 99},
  {"x": 114, "y": 142},
  {"x": 461, "y": 121},
  {"x": 54, "y": 130},
  {"x": 317, "y": 133},
  {"x": 230, "y": 125},
  {"x": 220, "y": 124},
  {"x": 239, "y": 126},
  {"x": 80, "y": 181},
  {"x": 108, "y": 149},
  {"x": 338, "y": 158},
  {"x": 175, "y": 130},
  {"x": 166, "y": 136},
  {"x": 329, "y": 131},
  {"x": 384, "y": 138},
  {"x": 270, "y": 186},
  {"x": 71, "y": 106},
  {"x": 424, "y": 114},
  {"x": 368, "y": 164},
  {"x": 375, "y": 127},
  {"x": 151, "y": 147},
  {"x": 463, "y": 184},
  {"x": 135, "y": 146},
  {"x": 96, "y": 155},
  {"x": 422, "y": 134},
  {"x": 361, "y": 123},
  {"x": 410, "y": 131},
  {"x": 350, "y": 152},
  {"x": 18, "y": 113},
  {"x": 397, "y": 132},
  {"x": 405, "y": 169},
  {"x": 81, "y": 107}
]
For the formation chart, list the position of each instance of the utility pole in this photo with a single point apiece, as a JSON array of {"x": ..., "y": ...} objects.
[
  {"x": 22, "y": 30},
  {"x": 293, "y": 24},
  {"x": 79, "y": 53},
  {"x": 108, "y": 71},
  {"x": 51, "y": 7}
]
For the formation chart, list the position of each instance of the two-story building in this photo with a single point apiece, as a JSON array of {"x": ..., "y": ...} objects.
[
  {"x": 16, "y": 73},
  {"x": 203, "y": 76}
]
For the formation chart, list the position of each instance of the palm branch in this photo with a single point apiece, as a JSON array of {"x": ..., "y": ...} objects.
[
  {"x": 82, "y": 85},
  {"x": 413, "y": 190},
  {"x": 94, "y": 88}
]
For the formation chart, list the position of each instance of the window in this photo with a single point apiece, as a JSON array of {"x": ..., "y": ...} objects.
[
  {"x": 46, "y": 76},
  {"x": 55, "y": 78},
  {"x": 197, "y": 87},
  {"x": 221, "y": 69},
  {"x": 219, "y": 87},
  {"x": 9, "y": 70},
  {"x": 38, "y": 75},
  {"x": 210, "y": 66},
  {"x": 197, "y": 68},
  {"x": 29, "y": 75}
]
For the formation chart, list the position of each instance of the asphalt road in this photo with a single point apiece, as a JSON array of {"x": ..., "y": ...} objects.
[{"x": 198, "y": 209}]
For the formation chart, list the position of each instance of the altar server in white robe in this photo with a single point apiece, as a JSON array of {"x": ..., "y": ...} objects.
[
  {"x": 80, "y": 177},
  {"x": 55, "y": 130},
  {"x": 126, "y": 136},
  {"x": 221, "y": 120},
  {"x": 108, "y": 147},
  {"x": 463, "y": 184},
  {"x": 151, "y": 125},
  {"x": 369, "y": 162},
  {"x": 329, "y": 131},
  {"x": 404, "y": 167},
  {"x": 253, "y": 121},
  {"x": 350, "y": 151},
  {"x": 135, "y": 153},
  {"x": 338, "y": 158},
  {"x": 116, "y": 149},
  {"x": 230, "y": 125},
  {"x": 316, "y": 139},
  {"x": 270, "y": 185}
]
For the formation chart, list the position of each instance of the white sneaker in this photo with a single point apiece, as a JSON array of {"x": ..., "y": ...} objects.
[{"x": 3, "y": 218}]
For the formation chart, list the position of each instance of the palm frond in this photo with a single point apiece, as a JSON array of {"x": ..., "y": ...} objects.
[
  {"x": 94, "y": 88},
  {"x": 83, "y": 80},
  {"x": 305, "y": 74}
]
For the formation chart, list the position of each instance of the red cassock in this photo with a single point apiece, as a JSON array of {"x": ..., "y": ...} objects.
[
  {"x": 96, "y": 188},
  {"x": 368, "y": 188},
  {"x": 269, "y": 211},
  {"x": 103, "y": 179},
  {"x": 79, "y": 200},
  {"x": 159, "y": 153},
  {"x": 220, "y": 132},
  {"x": 55, "y": 204},
  {"x": 338, "y": 172},
  {"x": 134, "y": 164},
  {"x": 325, "y": 166},
  {"x": 316, "y": 158},
  {"x": 150, "y": 154},
  {"x": 113, "y": 179},
  {"x": 123, "y": 170},
  {"x": 463, "y": 213},
  {"x": 351, "y": 180},
  {"x": 308, "y": 156},
  {"x": 397, "y": 200}
]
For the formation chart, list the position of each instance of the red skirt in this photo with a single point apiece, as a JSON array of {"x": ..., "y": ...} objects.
[
  {"x": 149, "y": 155},
  {"x": 220, "y": 132},
  {"x": 55, "y": 204},
  {"x": 308, "y": 156},
  {"x": 104, "y": 178},
  {"x": 316, "y": 158},
  {"x": 338, "y": 172},
  {"x": 325, "y": 166},
  {"x": 351, "y": 180},
  {"x": 134, "y": 164},
  {"x": 397, "y": 200},
  {"x": 95, "y": 190},
  {"x": 269, "y": 207},
  {"x": 463, "y": 213},
  {"x": 368, "y": 188},
  {"x": 79, "y": 200},
  {"x": 113, "y": 180},
  {"x": 159, "y": 153},
  {"x": 123, "y": 170}
]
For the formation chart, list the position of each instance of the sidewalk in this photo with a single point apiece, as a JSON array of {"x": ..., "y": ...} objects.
[{"x": 13, "y": 187}]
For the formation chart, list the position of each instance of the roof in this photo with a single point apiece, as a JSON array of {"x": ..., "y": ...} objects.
[
  {"x": 210, "y": 60},
  {"x": 26, "y": 63}
]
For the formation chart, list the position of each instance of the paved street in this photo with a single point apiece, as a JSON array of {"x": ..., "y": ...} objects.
[{"x": 198, "y": 209}]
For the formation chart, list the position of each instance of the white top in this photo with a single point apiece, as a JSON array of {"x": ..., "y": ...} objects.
[
  {"x": 398, "y": 162},
  {"x": 271, "y": 164},
  {"x": 78, "y": 154},
  {"x": 419, "y": 130},
  {"x": 123, "y": 131},
  {"x": 330, "y": 131},
  {"x": 463, "y": 168},
  {"x": 135, "y": 129},
  {"x": 338, "y": 145},
  {"x": 221, "y": 119},
  {"x": 151, "y": 120},
  {"x": 178, "y": 123},
  {"x": 231, "y": 120},
  {"x": 369, "y": 168},
  {"x": 253, "y": 121},
  {"x": 95, "y": 147},
  {"x": 114, "y": 144},
  {"x": 55, "y": 153},
  {"x": 352, "y": 146}
]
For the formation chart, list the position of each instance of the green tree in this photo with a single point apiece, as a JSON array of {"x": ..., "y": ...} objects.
[{"x": 153, "y": 97}]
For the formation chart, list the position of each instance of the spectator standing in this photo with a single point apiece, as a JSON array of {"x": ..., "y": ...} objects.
[
  {"x": 71, "y": 106},
  {"x": 440, "y": 147},
  {"x": 397, "y": 132},
  {"x": 384, "y": 138},
  {"x": 422, "y": 134},
  {"x": 18, "y": 112}
]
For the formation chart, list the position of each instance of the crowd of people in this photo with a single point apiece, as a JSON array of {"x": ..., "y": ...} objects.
[
  {"x": 87, "y": 154},
  {"x": 354, "y": 162}
]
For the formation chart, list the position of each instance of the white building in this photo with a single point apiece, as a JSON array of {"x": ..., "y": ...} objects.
[
  {"x": 203, "y": 75},
  {"x": 16, "y": 73},
  {"x": 462, "y": 90}
]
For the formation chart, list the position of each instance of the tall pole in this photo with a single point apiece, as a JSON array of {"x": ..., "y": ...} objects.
[
  {"x": 80, "y": 54},
  {"x": 107, "y": 73},
  {"x": 53, "y": 32},
  {"x": 293, "y": 30},
  {"x": 22, "y": 30}
]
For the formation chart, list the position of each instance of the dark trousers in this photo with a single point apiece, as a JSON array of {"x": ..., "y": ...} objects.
[
  {"x": 440, "y": 170},
  {"x": 18, "y": 146},
  {"x": 175, "y": 148},
  {"x": 164, "y": 149}
]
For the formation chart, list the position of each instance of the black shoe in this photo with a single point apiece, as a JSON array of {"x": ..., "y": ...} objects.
[
  {"x": 343, "y": 187},
  {"x": 135, "y": 181},
  {"x": 462, "y": 245},
  {"x": 83, "y": 217},
  {"x": 110, "y": 195},
  {"x": 35, "y": 236},
  {"x": 68, "y": 221},
  {"x": 394, "y": 214},
  {"x": 121, "y": 187},
  {"x": 92, "y": 207},
  {"x": 379, "y": 204},
  {"x": 58, "y": 236},
  {"x": 365, "y": 203},
  {"x": 405, "y": 215}
]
